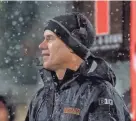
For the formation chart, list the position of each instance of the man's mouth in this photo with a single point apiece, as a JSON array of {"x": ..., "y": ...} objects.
[
  {"x": 45, "y": 57},
  {"x": 47, "y": 54}
]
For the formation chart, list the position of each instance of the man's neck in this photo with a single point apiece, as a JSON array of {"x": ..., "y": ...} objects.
[
  {"x": 60, "y": 73},
  {"x": 73, "y": 65}
]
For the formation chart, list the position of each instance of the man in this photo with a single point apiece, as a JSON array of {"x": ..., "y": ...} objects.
[
  {"x": 77, "y": 85},
  {"x": 7, "y": 109}
]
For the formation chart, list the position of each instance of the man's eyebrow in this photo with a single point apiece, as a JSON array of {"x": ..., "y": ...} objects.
[{"x": 49, "y": 35}]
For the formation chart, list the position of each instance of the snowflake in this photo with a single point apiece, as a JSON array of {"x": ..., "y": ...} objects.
[
  {"x": 6, "y": 61},
  {"x": 16, "y": 81},
  {"x": 16, "y": 93},
  {"x": 22, "y": 65},
  {"x": 6, "y": 34},
  {"x": 20, "y": 19},
  {"x": 32, "y": 13},
  {"x": 14, "y": 23},
  {"x": 87, "y": 12},
  {"x": 17, "y": 47},
  {"x": 9, "y": 52},
  {"x": 55, "y": 30},
  {"x": 5, "y": 93},
  {"x": 39, "y": 29},
  {"x": 12, "y": 16},
  {"x": 112, "y": 13},
  {"x": 18, "y": 33},
  {"x": 48, "y": 6},
  {"x": 33, "y": 35},
  {"x": 11, "y": 67},
  {"x": 117, "y": 9},
  {"x": 20, "y": 59},
  {"x": 16, "y": 13},
  {"x": 50, "y": 2},
  {"x": 34, "y": 77},
  {"x": 13, "y": 77}
]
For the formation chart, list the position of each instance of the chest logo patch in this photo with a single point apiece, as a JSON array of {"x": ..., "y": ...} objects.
[
  {"x": 71, "y": 110},
  {"x": 104, "y": 101}
]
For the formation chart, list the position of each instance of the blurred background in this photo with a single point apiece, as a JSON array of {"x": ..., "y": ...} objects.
[{"x": 21, "y": 31}]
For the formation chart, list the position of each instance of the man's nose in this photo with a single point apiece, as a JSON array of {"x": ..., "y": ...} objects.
[{"x": 43, "y": 45}]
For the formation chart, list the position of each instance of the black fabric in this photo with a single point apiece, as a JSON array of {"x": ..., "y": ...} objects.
[
  {"x": 68, "y": 39},
  {"x": 75, "y": 30},
  {"x": 87, "y": 92}
]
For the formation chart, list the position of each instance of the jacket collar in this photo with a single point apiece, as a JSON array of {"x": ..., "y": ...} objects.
[
  {"x": 69, "y": 77},
  {"x": 91, "y": 69}
]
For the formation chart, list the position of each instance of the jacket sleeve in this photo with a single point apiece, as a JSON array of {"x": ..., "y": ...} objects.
[
  {"x": 32, "y": 105},
  {"x": 108, "y": 106},
  {"x": 102, "y": 115}
]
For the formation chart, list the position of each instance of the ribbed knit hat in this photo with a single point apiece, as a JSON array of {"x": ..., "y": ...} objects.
[{"x": 75, "y": 30}]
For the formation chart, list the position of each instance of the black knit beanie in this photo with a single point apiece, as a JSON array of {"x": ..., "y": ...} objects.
[{"x": 75, "y": 30}]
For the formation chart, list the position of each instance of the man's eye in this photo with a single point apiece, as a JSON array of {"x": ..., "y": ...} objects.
[{"x": 49, "y": 38}]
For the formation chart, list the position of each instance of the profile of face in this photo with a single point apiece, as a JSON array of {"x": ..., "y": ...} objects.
[
  {"x": 3, "y": 112},
  {"x": 54, "y": 52}
]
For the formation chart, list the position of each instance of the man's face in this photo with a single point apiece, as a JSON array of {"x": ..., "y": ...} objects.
[
  {"x": 54, "y": 52},
  {"x": 3, "y": 112}
]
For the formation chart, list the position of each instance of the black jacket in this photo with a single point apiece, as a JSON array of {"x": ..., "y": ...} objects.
[{"x": 85, "y": 95}]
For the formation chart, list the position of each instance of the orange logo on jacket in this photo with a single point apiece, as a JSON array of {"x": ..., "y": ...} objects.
[{"x": 71, "y": 110}]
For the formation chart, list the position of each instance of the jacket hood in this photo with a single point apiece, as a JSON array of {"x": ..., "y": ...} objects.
[
  {"x": 93, "y": 67},
  {"x": 98, "y": 68}
]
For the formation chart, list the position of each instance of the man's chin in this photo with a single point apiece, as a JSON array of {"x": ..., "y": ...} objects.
[{"x": 47, "y": 66}]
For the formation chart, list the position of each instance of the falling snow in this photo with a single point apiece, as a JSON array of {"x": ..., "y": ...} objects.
[
  {"x": 14, "y": 23},
  {"x": 73, "y": 7},
  {"x": 23, "y": 23},
  {"x": 33, "y": 35},
  {"x": 16, "y": 13},
  {"x": 20, "y": 19}
]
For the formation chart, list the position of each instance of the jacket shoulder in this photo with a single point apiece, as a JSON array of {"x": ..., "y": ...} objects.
[
  {"x": 35, "y": 98},
  {"x": 109, "y": 101},
  {"x": 108, "y": 91},
  {"x": 37, "y": 93}
]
